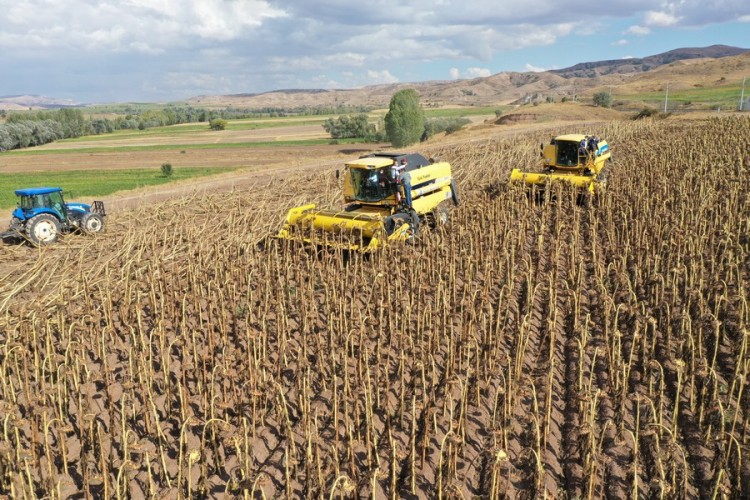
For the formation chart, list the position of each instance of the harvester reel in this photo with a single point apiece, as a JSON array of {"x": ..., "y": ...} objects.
[{"x": 43, "y": 229}]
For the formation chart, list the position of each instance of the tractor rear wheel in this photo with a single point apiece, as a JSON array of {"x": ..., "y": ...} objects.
[
  {"x": 43, "y": 229},
  {"x": 92, "y": 223}
]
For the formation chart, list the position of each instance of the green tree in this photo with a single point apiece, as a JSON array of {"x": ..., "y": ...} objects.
[
  {"x": 166, "y": 169},
  {"x": 348, "y": 126},
  {"x": 602, "y": 99},
  {"x": 217, "y": 124},
  {"x": 404, "y": 122}
]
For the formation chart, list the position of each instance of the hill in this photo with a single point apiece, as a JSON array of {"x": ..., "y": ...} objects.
[
  {"x": 698, "y": 66},
  {"x": 19, "y": 102},
  {"x": 639, "y": 65}
]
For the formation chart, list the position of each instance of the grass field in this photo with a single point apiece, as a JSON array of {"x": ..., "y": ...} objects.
[
  {"x": 710, "y": 97},
  {"x": 91, "y": 183},
  {"x": 191, "y": 128}
]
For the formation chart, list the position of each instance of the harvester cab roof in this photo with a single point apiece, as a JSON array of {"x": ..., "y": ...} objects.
[{"x": 409, "y": 161}]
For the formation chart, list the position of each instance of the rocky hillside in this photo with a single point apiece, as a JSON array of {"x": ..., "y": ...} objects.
[{"x": 643, "y": 64}]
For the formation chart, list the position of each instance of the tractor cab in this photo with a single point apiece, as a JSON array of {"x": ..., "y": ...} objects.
[{"x": 34, "y": 201}]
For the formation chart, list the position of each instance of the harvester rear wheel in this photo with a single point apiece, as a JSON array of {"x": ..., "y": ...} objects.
[
  {"x": 92, "y": 223},
  {"x": 43, "y": 229}
]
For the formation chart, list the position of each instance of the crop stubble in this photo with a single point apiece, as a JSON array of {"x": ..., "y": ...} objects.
[{"x": 527, "y": 350}]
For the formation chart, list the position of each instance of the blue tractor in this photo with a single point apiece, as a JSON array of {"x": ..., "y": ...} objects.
[{"x": 42, "y": 215}]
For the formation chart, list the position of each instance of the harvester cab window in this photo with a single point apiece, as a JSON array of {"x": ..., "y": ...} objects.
[
  {"x": 567, "y": 153},
  {"x": 371, "y": 185}
]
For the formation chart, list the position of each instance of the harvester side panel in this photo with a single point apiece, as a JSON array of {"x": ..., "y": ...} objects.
[{"x": 427, "y": 203}]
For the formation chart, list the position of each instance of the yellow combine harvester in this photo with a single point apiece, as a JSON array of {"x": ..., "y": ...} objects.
[
  {"x": 574, "y": 158},
  {"x": 388, "y": 196}
]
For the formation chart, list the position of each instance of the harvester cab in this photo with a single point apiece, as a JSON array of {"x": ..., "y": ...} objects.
[
  {"x": 388, "y": 196},
  {"x": 42, "y": 215},
  {"x": 574, "y": 158}
]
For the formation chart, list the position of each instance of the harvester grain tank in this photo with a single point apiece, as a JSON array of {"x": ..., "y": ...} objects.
[
  {"x": 577, "y": 159},
  {"x": 389, "y": 198},
  {"x": 42, "y": 215}
]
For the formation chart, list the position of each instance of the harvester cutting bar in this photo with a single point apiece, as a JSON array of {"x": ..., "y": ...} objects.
[
  {"x": 337, "y": 229},
  {"x": 582, "y": 181}
]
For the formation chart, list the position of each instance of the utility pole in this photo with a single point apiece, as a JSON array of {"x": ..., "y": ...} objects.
[
  {"x": 666, "y": 98},
  {"x": 742, "y": 93}
]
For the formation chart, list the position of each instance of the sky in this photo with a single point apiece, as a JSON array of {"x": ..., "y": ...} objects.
[{"x": 92, "y": 51}]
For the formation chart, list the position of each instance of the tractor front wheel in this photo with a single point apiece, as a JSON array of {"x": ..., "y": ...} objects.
[
  {"x": 92, "y": 223},
  {"x": 43, "y": 229}
]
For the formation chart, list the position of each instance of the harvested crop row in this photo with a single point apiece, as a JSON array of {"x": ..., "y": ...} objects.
[{"x": 528, "y": 349}]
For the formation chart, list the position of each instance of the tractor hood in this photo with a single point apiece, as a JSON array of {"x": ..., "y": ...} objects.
[{"x": 78, "y": 207}]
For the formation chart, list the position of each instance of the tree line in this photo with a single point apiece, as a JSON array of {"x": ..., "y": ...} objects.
[{"x": 35, "y": 128}]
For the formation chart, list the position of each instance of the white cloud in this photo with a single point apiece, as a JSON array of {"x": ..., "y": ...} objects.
[
  {"x": 384, "y": 76},
  {"x": 477, "y": 72},
  {"x": 132, "y": 24},
  {"x": 661, "y": 19},
  {"x": 637, "y": 30},
  {"x": 473, "y": 72},
  {"x": 532, "y": 68},
  {"x": 127, "y": 45}
]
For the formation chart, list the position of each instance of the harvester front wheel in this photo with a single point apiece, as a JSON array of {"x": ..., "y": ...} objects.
[
  {"x": 43, "y": 229},
  {"x": 92, "y": 223}
]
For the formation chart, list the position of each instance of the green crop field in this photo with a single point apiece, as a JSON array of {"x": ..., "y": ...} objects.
[
  {"x": 721, "y": 96},
  {"x": 467, "y": 111},
  {"x": 188, "y": 129},
  {"x": 79, "y": 184}
]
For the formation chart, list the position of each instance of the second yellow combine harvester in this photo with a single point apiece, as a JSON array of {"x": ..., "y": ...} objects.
[
  {"x": 574, "y": 158},
  {"x": 389, "y": 197}
]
